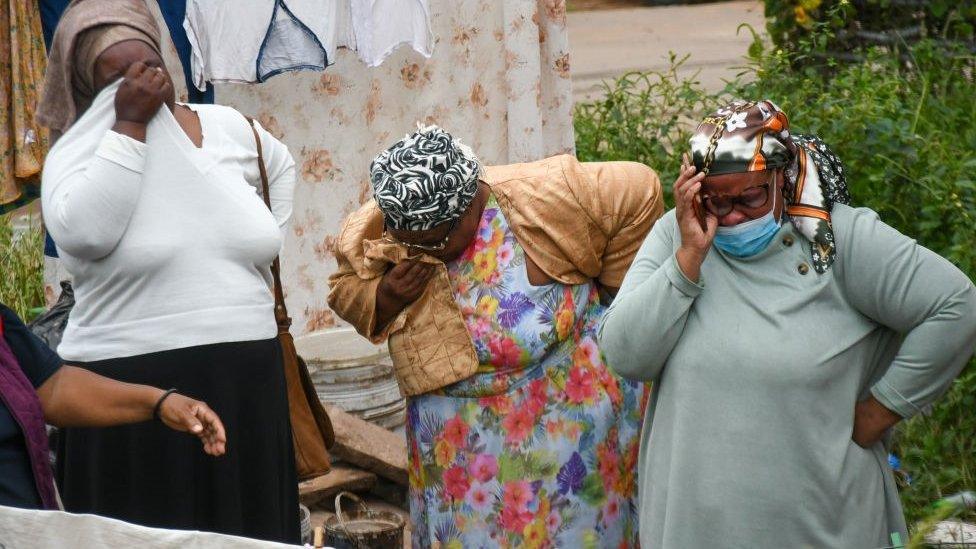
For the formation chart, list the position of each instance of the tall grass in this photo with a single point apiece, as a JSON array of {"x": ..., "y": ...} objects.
[{"x": 21, "y": 267}]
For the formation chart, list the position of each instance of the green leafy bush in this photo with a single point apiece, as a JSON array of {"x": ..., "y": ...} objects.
[
  {"x": 642, "y": 117},
  {"x": 21, "y": 267},
  {"x": 906, "y": 134},
  {"x": 856, "y": 24}
]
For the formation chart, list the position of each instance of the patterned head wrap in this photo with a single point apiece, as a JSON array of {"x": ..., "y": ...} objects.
[
  {"x": 424, "y": 180},
  {"x": 755, "y": 136}
]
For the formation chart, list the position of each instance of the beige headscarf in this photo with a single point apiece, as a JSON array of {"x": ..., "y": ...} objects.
[{"x": 87, "y": 28}]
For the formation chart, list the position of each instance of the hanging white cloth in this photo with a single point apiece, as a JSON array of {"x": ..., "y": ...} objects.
[
  {"x": 381, "y": 26},
  {"x": 345, "y": 33},
  {"x": 253, "y": 40}
]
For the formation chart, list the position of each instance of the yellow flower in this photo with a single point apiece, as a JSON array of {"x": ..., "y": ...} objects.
[
  {"x": 444, "y": 453},
  {"x": 535, "y": 534},
  {"x": 497, "y": 236},
  {"x": 543, "y": 508},
  {"x": 801, "y": 16},
  {"x": 590, "y": 539},
  {"x": 485, "y": 264},
  {"x": 564, "y": 323},
  {"x": 487, "y": 306},
  {"x": 454, "y": 544}
]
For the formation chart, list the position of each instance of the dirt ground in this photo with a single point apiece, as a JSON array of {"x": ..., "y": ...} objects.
[{"x": 606, "y": 43}]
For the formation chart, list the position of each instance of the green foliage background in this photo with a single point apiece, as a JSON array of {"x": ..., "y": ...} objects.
[
  {"x": 21, "y": 267},
  {"x": 903, "y": 122},
  {"x": 854, "y": 24}
]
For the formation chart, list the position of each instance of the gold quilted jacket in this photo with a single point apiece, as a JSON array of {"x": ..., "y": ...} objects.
[{"x": 578, "y": 221}]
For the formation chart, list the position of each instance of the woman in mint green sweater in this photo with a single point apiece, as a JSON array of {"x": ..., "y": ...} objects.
[{"x": 785, "y": 333}]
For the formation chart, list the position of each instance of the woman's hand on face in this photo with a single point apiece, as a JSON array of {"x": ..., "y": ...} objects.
[
  {"x": 399, "y": 287},
  {"x": 405, "y": 282},
  {"x": 182, "y": 413},
  {"x": 695, "y": 241},
  {"x": 143, "y": 91}
]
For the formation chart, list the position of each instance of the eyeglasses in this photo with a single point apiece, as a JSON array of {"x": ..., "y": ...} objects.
[
  {"x": 751, "y": 198},
  {"x": 424, "y": 247}
]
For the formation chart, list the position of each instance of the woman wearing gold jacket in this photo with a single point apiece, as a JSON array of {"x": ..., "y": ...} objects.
[{"x": 488, "y": 284}]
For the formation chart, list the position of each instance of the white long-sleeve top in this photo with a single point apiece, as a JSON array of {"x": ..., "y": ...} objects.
[{"x": 169, "y": 245}]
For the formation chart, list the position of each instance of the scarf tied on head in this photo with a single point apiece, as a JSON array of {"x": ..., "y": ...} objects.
[
  {"x": 424, "y": 180},
  {"x": 88, "y": 28},
  {"x": 755, "y": 136}
]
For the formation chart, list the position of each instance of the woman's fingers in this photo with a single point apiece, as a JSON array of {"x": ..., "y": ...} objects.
[
  {"x": 188, "y": 421},
  {"x": 694, "y": 185},
  {"x": 686, "y": 174},
  {"x": 147, "y": 74},
  {"x": 401, "y": 271},
  {"x": 420, "y": 272},
  {"x": 157, "y": 81},
  {"x": 135, "y": 70},
  {"x": 211, "y": 429},
  {"x": 413, "y": 272},
  {"x": 693, "y": 177},
  {"x": 211, "y": 420},
  {"x": 160, "y": 77},
  {"x": 685, "y": 192},
  {"x": 418, "y": 283}
]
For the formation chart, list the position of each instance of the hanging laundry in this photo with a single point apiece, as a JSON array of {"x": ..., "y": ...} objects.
[
  {"x": 51, "y": 11},
  {"x": 236, "y": 41},
  {"x": 23, "y": 144},
  {"x": 381, "y": 26},
  {"x": 174, "y": 12},
  {"x": 345, "y": 34}
]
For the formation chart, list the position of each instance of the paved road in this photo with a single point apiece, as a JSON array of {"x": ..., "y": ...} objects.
[{"x": 607, "y": 43}]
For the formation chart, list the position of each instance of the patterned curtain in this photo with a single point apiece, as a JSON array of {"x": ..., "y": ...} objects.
[
  {"x": 22, "y": 143},
  {"x": 498, "y": 79}
]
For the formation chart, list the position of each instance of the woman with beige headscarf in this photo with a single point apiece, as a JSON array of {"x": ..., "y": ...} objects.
[{"x": 156, "y": 213}]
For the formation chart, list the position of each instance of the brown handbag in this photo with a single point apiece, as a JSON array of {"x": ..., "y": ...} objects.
[{"x": 311, "y": 428}]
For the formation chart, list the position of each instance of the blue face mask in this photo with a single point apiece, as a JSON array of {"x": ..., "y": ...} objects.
[{"x": 749, "y": 238}]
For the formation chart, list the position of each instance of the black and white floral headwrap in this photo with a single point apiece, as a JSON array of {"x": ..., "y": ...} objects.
[
  {"x": 748, "y": 136},
  {"x": 424, "y": 180}
]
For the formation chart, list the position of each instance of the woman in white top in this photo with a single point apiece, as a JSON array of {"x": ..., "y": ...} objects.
[{"x": 156, "y": 211}]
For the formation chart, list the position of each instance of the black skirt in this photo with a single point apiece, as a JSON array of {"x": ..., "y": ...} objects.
[{"x": 148, "y": 474}]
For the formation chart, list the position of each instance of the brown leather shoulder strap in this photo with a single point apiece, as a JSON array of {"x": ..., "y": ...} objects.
[{"x": 281, "y": 312}]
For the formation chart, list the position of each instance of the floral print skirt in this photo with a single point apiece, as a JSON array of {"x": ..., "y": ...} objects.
[{"x": 539, "y": 448}]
